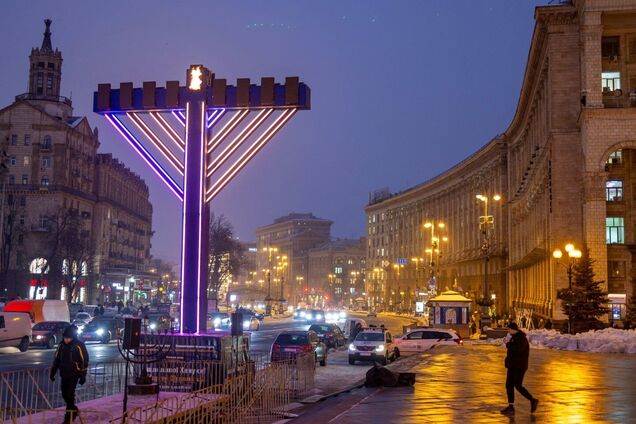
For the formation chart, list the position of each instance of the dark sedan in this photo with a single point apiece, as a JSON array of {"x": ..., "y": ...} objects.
[
  {"x": 48, "y": 333},
  {"x": 102, "y": 329},
  {"x": 289, "y": 344},
  {"x": 330, "y": 334}
]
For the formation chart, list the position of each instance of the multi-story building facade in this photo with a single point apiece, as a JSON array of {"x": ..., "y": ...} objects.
[
  {"x": 52, "y": 167},
  {"x": 290, "y": 236},
  {"x": 336, "y": 274},
  {"x": 563, "y": 168}
]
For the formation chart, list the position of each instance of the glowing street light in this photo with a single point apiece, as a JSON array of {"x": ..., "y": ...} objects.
[
  {"x": 486, "y": 225},
  {"x": 573, "y": 255}
]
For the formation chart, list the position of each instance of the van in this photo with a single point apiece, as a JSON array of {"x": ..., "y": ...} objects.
[
  {"x": 15, "y": 330},
  {"x": 350, "y": 325},
  {"x": 41, "y": 310}
]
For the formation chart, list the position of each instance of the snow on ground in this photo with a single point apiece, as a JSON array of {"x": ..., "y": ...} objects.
[{"x": 608, "y": 340}]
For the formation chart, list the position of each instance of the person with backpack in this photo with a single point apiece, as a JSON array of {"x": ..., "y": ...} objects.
[{"x": 71, "y": 359}]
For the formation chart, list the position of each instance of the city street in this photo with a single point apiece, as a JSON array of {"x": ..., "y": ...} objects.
[
  {"x": 467, "y": 384},
  {"x": 261, "y": 341}
]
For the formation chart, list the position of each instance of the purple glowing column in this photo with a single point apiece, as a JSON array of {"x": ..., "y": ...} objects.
[{"x": 195, "y": 225}]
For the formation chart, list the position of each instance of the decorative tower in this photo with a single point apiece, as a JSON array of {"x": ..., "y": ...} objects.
[{"x": 45, "y": 77}]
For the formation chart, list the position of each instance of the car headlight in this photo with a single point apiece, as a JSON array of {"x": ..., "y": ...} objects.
[
  {"x": 343, "y": 315},
  {"x": 153, "y": 326},
  {"x": 217, "y": 321},
  {"x": 100, "y": 332},
  {"x": 80, "y": 329},
  {"x": 246, "y": 324},
  {"x": 328, "y": 315},
  {"x": 39, "y": 337},
  {"x": 380, "y": 348},
  {"x": 295, "y": 314},
  {"x": 352, "y": 347},
  {"x": 303, "y": 314},
  {"x": 318, "y": 316}
]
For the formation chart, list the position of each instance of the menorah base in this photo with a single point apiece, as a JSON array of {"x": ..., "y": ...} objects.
[{"x": 143, "y": 389}]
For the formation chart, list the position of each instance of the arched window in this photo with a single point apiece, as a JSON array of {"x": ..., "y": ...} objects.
[{"x": 37, "y": 266}]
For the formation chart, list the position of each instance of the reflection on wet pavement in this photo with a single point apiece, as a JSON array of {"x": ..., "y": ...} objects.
[{"x": 466, "y": 384}]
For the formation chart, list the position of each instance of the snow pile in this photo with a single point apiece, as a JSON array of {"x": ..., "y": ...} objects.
[{"x": 608, "y": 340}]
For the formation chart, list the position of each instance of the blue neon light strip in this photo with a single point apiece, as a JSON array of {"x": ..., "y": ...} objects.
[
  {"x": 180, "y": 117},
  {"x": 145, "y": 155},
  {"x": 214, "y": 117}
]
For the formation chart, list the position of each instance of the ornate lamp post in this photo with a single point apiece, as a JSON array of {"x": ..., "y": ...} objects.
[
  {"x": 268, "y": 299},
  {"x": 486, "y": 227},
  {"x": 573, "y": 255},
  {"x": 434, "y": 250}
]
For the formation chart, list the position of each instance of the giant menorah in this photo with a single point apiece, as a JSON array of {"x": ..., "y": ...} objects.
[{"x": 206, "y": 132}]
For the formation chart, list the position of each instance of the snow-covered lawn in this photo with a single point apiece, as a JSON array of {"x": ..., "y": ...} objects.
[{"x": 608, "y": 340}]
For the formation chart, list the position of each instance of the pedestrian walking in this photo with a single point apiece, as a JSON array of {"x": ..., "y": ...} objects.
[
  {"x": 71, "y": 359},
  {"x": 518, "y": 351}
]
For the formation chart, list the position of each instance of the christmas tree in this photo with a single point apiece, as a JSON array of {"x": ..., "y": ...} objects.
[{"x": 589, "y": 301}]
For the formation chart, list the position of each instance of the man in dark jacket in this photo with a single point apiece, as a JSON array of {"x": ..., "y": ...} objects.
[
  {"x": 517, "y": 365},
  {"x": 71, "y": 359}
]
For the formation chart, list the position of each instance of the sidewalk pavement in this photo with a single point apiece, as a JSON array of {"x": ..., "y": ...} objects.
[{"x": 466, "y": 384}]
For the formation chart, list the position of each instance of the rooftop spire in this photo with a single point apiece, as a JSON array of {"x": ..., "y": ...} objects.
[{"x": 46, "y": 42}]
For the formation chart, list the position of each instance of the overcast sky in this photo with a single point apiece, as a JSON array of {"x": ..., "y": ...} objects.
[{"x": 401, "y": 90}]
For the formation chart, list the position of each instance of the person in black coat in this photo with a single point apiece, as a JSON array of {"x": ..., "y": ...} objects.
[
  {"x": 71, "y": 359},
  {"x": 518, "y": 351}
]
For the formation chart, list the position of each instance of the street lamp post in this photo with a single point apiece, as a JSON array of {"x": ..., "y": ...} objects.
[
  {"x": 268, "y": 299},
  {"x": 434, "y": 249},
  {"x": 573, "y": 255},
  {"x": 417, "y": 262},
  {"x": 486, "y": 225}
]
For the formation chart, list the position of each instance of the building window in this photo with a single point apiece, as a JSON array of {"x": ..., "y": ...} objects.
[
  {"x": 45, "y": 180},
  {"x": 22, "y": 219},
  {"x": 610, "y": 81},
  {"x": 27, "y": 139},
  {"x": 49, "y": 82},
  {"x": 25, "y": 179},
  {"x": 615, "y": 230},
  {"x": 12, "y": 160},
  {"x": 616, "y": 269},
  {"x": 615, "y": 158},
  {"x": 11, "y": 179},
  {"x": 338, "y": 270},
  {"x": 46, "y": 142},
  {"x": 46, "y": 161},
  {"x": 40, "y": 83},
  {"x": 26, "y": 161},
  {"x": 14, "y": 139},
  {"x": 614, "y": 191},
  {"x": 610, "y": 47}
]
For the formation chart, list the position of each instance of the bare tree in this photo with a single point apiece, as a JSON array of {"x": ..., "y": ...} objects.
[
  {"x": 226, "y": 255},
  {"x": 12, "y": 237}
]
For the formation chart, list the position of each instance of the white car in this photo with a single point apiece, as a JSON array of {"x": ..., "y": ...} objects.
[
  {"x": 373, "y": 344},
  {"x": 250, "y": 323},
  {"x": 422, "y": 339}
]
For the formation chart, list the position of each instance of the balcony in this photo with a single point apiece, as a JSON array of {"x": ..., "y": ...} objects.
[{"x": 619, "y": 99}]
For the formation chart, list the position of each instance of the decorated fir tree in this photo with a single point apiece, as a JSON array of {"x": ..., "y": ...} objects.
[{"x": 589, "y": 301}]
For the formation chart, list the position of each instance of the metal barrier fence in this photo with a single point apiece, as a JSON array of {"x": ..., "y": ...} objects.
[{"x": 251, "y": 390}]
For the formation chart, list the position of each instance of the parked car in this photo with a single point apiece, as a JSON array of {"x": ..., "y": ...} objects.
[
  {"x": 48, "y": 333},
  {"x": 15, "y": 330},
  {"x": 251, "y": 323},
  {"x": 422, "y": 339},
  {"x": 330, "y": 334},
  {"x": 219, "y": 320},
  {"x": 372, "y": 314},
  {"x": 102, "y": 329},
  {"x": 83, "y": 316},
  {"x": 373, "y": 344},
  {"x": 250, "y": 312},
  {"x": 288, "y": 344}
]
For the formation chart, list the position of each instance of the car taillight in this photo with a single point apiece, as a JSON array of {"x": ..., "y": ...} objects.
[
  {"x": 275, "y": 346},
  {"x": 307, "y": 348},
  {"x": 328, "y": 334},
  {"x": 459, "y": 341}
]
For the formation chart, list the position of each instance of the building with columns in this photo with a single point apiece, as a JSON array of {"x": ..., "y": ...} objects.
[
  {"x": 287, "y": 241},
  {"x": 564, "y": 168},
  {"x": 51, "y": 167}
]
